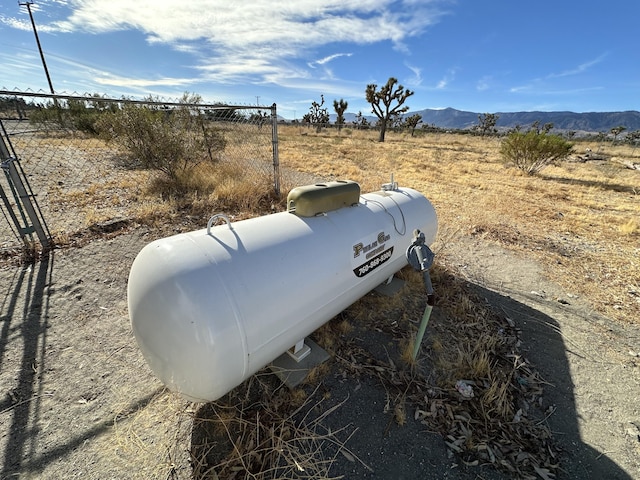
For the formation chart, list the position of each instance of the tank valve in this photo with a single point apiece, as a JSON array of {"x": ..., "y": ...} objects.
[
  {"x": 393, "y": 185},
  {"x": 420, "y": 257}
]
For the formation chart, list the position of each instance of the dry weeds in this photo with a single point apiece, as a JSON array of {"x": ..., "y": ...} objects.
[
  {"x": 580, "y": 220},
  {"x": 501, "y": 423},
  {"x": 262, "y": 430}
]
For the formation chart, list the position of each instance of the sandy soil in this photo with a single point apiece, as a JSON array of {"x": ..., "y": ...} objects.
[{"x": 78, "y": 401}]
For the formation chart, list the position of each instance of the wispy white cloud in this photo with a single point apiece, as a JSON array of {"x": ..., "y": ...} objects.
[
  {"x": 447, "y": 79},
  {"x": 416, "y": 80},
  {"x": 45, "y": 10},
  {"x": 521, "y": 89},
  {"x": 112, "y": 80},
  {"x": 483, "y": 83},
  {"x": 328, "y": 59},
  {"x": 256, "y": 39},
  {"x": 24, "y": 24},
  {"x": 15, "y": 23},
  {"x": 551, "y": 91},
  {"x": 228, "y": 70},
  {"x": 544, "y": 85},
  {"x": 323, "y": 63},
  {"x": 583, "y": 67},
  {"x": 16, "y": 67}
]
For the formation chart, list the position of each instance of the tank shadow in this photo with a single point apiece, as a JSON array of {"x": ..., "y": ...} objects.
[
  {"x": 544, "y": 346},
  {"x": 355, "y": 429}
]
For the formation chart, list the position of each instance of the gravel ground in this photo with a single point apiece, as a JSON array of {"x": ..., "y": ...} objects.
[{"x": 78, "y": 401}]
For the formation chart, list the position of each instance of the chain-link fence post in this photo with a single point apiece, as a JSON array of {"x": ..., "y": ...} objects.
[{"x": 274, "y": 148}]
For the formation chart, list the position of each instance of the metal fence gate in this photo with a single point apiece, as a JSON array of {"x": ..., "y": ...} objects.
[{"x": 58, "y": 177}]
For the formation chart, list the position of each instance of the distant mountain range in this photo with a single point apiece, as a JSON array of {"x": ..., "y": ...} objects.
[{"x": 565, "y": 121}]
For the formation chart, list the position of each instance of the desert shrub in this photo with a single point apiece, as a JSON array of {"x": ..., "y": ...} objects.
[
  {"x": 46, "y": 115},
  {"x": 534, "y": 150},
  {"x": 74, "y": 114},
  {"x": 172, "y": 142}
]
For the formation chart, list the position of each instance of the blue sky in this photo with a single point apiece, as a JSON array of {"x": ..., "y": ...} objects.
[{"x": 481, "y": 56}]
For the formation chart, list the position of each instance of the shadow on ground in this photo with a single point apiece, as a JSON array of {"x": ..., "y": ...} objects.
[
  {"x": 29, "y": 320},
  {"x": 358, "y": 415},
  {"x": 34, "y": 437},
  {"x": 544, "y": 346},
  {"x": 378, "y": 448}
]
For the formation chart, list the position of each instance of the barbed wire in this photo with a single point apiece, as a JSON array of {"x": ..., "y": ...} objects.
[{"x": 151, "y": 99}]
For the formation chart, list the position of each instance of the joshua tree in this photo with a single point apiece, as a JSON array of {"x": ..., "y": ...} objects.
[
  {"x": 413, "y": 121},
  {"x": 487, "y": 123},
  {"x": 317, "y": 115},
  {"x": 615, "y": 131},
  {"x": 360, "y": 121},
  {"x": 381, "y": 102},
  {"x": 633, "y": 138},
  {"x": 340, "y": 107}
]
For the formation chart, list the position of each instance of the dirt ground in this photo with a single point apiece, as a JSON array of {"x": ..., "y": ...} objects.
[
  {"x": 590, "y": 363},
  {"x": 78, "y": 401}
]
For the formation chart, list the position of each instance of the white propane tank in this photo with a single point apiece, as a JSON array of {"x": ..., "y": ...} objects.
[{"x": 210, "y": 308}]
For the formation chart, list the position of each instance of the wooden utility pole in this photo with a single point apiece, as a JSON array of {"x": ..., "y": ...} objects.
[{"x": 35, "y": 31}]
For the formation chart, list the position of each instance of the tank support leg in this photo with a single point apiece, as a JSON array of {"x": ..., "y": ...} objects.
[
  {"x": 299, "y": 351},
  {"x": 293, "y": 372}
]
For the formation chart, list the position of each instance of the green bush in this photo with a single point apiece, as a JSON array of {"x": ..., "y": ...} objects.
[
  {"x": 73, "y": 114},
  {"x": 173, "y": 141},
  {"x": 533, "y": 151}
]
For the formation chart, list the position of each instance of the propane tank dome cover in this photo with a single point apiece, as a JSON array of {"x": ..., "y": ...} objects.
[{"x": 311, "y": 200}]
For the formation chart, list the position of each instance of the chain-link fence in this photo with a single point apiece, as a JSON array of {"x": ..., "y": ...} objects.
[{"x": 55, "y": 159}]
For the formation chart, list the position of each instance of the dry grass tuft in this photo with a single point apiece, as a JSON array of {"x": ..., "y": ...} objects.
[
  {"x": 406, "y": 350},
  {"x": 222, "y": 186},
  {"x": 265, "y": 432},
  {"x": 317, "y": 373},
  {"x": 142, "y": 198},
  {"x": 629, "y": 228}
]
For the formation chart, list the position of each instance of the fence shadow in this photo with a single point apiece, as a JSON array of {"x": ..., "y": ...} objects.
[
  {"x": 25, "y": 310},
  {"x": 24, "y": 400}
]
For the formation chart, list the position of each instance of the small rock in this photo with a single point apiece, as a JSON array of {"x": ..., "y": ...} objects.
[
  {"x": 464, "y": 389},
  {"x": 563, "y": 301}
]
